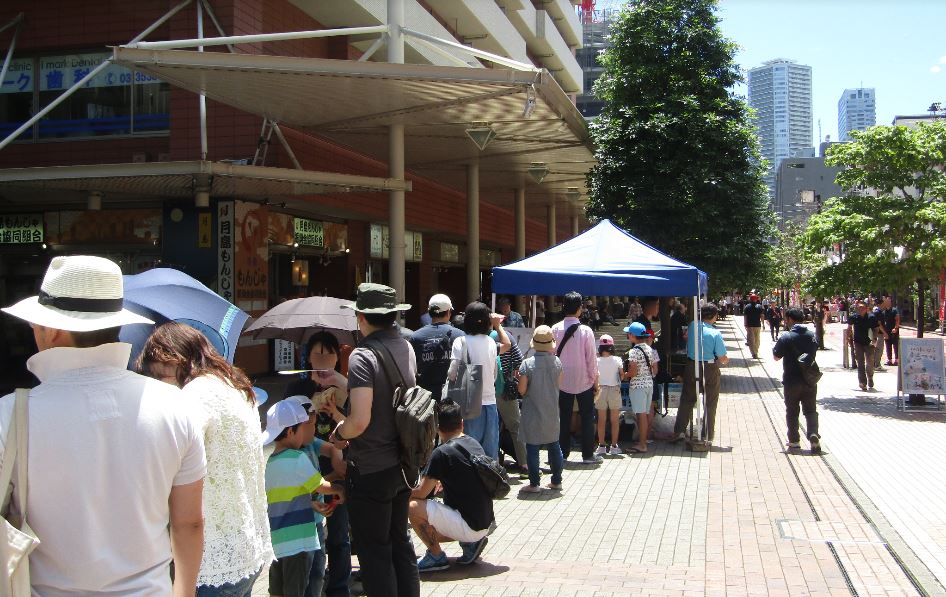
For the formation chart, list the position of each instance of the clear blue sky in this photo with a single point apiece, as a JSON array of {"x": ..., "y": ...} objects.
[{"x": 892, "y": 45}]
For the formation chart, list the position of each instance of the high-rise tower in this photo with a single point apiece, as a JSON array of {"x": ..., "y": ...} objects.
[
  {"x": 856, "y": 111},
  {"x": 780, "y": 94}
]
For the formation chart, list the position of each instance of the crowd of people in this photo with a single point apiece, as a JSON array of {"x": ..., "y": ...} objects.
[{"x": 173, "y": 458}]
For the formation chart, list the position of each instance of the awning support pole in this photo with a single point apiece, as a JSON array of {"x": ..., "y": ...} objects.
[
  {"x": 494, "y": 58},
  {"x": 396, "y": 200},
  {"x": 285, "y": 145},
  {"x": 202, "y": 99},
  {"x": 177, "y": 44},
  {"x": 435, "y": 48},
  {"x": 521, "y": 235},
  {"x": 551, "y": 226},
  {"x": 213, "y": 18},
  {"x": 374, "y": 48},
  {"x": 473, "y": 231},
  {"x": 16, "y": 33},
  {"x": 14, "y": 21},
  {"x": 92, "y": 74}
]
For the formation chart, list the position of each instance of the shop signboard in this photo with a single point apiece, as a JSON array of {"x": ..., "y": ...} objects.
[
  {"x": 19, "y": 77},
  {"x": 109, "y": 226},
  {"x": 308, "y": 233},
  {"x": 922, "y": 366},
  {"x": 225, "y": 266},
  {"x": 251, "y": 228},
  {"x": 380, "y": 241},
  {"x": 450, "y": 252},
  {"x": 21, "y": 228},
  {"x": 62, "y": 72},
  {"x": 284, "y": 355}
]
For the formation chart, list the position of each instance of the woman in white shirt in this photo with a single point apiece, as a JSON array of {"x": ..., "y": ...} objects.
[
  {"x": 481, "y": 349},
  {"x": 236, "y": 523}
]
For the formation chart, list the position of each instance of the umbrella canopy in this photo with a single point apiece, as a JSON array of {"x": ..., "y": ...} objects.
[
  {"x": 296, "y": 320},
  {"x": 165, "y": 294}
]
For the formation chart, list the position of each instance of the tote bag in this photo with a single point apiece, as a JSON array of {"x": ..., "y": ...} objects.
[
  {"x": 18, "y": 539},
  {"x": 467, "y": 389}
]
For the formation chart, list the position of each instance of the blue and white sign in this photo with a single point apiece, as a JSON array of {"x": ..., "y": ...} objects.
[
  {"x": 62, "y": 72},
  {"x": 19, "y": 78}
]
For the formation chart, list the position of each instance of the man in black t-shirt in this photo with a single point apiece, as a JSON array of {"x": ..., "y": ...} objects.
[
  {"x": 466, "y": 514},
  {"x": 752, "y": 316},
  {"x": 798, "y": 344},
  {"x": 862, "y": 327},
  {"x": 432, "y": 345},
  {"x": 890, "y": 318}
]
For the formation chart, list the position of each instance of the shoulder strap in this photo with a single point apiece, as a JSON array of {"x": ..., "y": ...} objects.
[
  {"x": 643, "y": 352},
  {"x": 391, "y": 371},
  {"x": 568, "y": 335},
  {"x": 14, "y": 447}
]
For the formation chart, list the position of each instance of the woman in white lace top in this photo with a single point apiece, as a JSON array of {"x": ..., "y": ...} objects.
[{"x": 236, "y": 524}]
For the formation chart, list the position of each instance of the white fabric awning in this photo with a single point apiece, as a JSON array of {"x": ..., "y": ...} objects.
[
  {"x": 352, "y": 103},
  {"x": 154, "y": 181}
]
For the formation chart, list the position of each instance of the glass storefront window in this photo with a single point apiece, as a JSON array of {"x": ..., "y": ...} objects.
[{"x": 116, "y": 101}]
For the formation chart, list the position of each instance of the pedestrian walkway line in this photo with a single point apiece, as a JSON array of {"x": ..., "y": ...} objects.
[{"x": 816, "y": 475}]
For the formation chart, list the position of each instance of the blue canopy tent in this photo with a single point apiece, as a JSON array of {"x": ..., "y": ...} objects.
[{"x": 606, "y": 261}]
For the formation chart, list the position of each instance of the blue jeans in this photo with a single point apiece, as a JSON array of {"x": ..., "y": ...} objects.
[
  {"x": 485, "y": 430},
  {"x": 243, "y": 588},
  {"x": 556, "y": 462},
  {"x": 338, "y": 548},
  {"x": 317, "y": 571}
]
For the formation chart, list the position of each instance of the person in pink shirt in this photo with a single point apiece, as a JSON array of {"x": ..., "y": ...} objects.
[{"x": 579, "y": 356}]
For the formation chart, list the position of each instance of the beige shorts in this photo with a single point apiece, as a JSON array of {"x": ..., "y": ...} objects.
[
  {"x": 449, "y": 523},
  {"x": 608, "y": 397}
]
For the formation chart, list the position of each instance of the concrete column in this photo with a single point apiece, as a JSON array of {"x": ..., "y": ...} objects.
[
  {"x": 551, "y": 223},
  {"x": 396, "y": 199},
  {"x": 521, "y": 222},
  {"x": 473, "y": 231},
  {"x": 574, "y": 226}
]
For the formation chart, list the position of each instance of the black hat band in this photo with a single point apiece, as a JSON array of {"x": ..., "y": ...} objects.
[{"x": 88, "y": 305}]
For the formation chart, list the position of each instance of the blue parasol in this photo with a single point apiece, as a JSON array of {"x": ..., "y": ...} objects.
[{"x": 165, "y": 294}]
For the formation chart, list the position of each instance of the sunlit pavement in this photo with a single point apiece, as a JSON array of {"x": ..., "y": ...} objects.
[{"x": 745, "y": 518}]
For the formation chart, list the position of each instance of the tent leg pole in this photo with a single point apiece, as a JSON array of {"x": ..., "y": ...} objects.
[
  {"x": 494, "y": 303},
  {"x": 533, "y": 310}
]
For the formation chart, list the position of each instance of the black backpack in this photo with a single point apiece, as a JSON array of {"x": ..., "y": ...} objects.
[
  {"x": 491, "y": 474},
  {"x": 807, "y": 365},
  {"x": 414, "y": 416}
]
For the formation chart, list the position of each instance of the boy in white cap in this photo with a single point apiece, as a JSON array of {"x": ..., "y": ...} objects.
[
  {"x": 122, "y": 446},
  {"x": 291, "y": 479}
]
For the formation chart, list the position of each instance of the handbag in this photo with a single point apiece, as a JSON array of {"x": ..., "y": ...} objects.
[
  {"x": 18, "y": 538},
  {"x": 491, "y": 474},
  {"x": 467, "y": 389}
]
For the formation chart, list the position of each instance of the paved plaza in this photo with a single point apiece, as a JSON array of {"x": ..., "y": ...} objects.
[{"x": 746, "y": 518}]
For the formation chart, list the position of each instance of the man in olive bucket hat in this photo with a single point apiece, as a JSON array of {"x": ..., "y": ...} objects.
[
  {"x": 377, "y": 494},
  {"x": 114, "y": 458}
]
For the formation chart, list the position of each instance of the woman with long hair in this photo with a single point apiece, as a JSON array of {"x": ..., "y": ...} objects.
[{"x": 236, "y": 531}]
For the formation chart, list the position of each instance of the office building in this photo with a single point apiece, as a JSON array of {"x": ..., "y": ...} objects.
[
  {"x": 780, "y": 94},
  {"x": 856, "y": 111},
  {"x": 418, "y": 148}
]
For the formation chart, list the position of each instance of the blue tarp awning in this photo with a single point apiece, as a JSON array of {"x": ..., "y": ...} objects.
[{"x": 603, "y": 261}]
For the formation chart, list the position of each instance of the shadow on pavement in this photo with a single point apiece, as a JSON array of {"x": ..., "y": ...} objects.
[
  {"x": 478, "y": 570},
  {"x": 547, "y": 495},
  {"x": 879, "y": 406}
]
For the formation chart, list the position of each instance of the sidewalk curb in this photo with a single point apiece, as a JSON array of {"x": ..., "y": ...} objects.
[{"x": 920, "y": 576}]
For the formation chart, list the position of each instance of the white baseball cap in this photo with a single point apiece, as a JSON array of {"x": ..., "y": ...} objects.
[
  {"x": 303, "y": 401},
  {"x": 441, "y": 303},
  {"x": 281, "y": 415},
  {"x": 80, "y": 293}
]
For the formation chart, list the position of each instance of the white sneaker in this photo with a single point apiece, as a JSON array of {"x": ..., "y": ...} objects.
[
  {"x": 601, "y": 451},
  {"x": 595, "y": 459},
  {"x": 616, "y": 450}
]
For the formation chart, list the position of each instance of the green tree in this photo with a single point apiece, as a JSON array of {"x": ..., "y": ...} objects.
[
  {"x": 677, "y": 158},
  {"x": 794, "y": 262},
  {"x": 891, "y": 218}
]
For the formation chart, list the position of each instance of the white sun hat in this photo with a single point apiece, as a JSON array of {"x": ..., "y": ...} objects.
[{"x": 80, "y": 293}]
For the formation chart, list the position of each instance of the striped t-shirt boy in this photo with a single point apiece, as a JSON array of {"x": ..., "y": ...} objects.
[{"x": 290, "y": 481}]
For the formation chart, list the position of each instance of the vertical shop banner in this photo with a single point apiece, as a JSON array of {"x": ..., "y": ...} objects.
[
  {"x": 204, "y": 228},
  {"x": 225, "y": 267},
  {"x": 252, "y": 256}
]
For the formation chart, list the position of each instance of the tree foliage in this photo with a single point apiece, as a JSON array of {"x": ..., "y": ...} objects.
[
  {"x": 677, "y": 158},
  {"x": 794, "y": 262},
  {"x": 890, "y": 220}
]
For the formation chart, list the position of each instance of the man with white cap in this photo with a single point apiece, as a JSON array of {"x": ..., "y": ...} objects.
[
  {"x": 114, "y": 458},
  {"x": 432, "y": 345}
]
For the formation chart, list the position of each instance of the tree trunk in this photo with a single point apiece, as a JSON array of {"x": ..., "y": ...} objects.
[{"x": 920, "y": 307}]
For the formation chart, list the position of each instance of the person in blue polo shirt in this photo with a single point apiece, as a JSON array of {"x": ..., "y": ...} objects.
[{"x": 713, "y": 354}]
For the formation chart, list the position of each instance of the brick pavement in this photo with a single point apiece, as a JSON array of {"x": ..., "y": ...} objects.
[{"x": 743, "y": 519}]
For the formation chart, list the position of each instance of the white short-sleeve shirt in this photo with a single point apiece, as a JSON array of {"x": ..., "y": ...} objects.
[{"x": 482, "y": 351}]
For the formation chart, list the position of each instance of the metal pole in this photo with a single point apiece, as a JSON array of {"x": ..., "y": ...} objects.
[
  {"x": 285, "y": 145},
  {"x": 15, "y": 21},
  {"x": 521, "y": 222},
  {"x": 6, "y": 61},
  {"x": 396, "y": 200},
  {"x": 78, "y": 85},
  {"x": 178, "y": 44},
  {"x": 374, "y": 48},
  {"x": 698, "y": 363},
  {"x": 213, "y": 18},
  {"x": 202, "y": 99},
  {"x": 473, "y": 230}
]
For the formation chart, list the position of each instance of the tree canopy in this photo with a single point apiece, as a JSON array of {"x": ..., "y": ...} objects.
[
  {"x": 677, "y": 159},
  {"x": 890, "y": 220}
]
